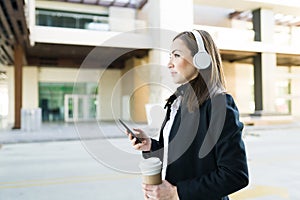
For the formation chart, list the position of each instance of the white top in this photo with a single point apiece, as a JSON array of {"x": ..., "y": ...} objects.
[{"x": 166, "y": 132}]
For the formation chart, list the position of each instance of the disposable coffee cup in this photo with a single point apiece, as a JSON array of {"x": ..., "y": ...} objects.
[{"x": 151, "y": 171}]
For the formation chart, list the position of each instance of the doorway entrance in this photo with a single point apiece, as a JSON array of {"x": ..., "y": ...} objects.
[
  {"x": 80, "y": 107},
  {"x": 68, "y": 102}
]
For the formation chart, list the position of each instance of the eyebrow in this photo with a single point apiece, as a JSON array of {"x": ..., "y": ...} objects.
[{"x": 176, "y": 50}]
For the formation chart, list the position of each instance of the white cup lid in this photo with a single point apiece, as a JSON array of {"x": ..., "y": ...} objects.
[{"x": 150, "y": 166}]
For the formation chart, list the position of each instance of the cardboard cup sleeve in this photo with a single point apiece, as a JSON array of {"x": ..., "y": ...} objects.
[{"x": 151, "y": 171}]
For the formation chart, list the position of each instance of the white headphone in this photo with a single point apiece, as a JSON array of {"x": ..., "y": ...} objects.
[{"x": 201, "y": 59}]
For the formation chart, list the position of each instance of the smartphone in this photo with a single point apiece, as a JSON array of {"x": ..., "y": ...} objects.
[{"x": 138, "y": 140}]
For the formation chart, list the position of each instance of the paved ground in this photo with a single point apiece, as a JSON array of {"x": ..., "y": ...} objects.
[
  {"x": 69, "y": 131},
  {"x": 54, "y": 164},
  {"x": 274, "y": 163}
]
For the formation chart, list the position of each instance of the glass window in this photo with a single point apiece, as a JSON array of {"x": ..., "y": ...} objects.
[
  {"x": 67, "y": 19},
  {"x": 283, "y": 91}
]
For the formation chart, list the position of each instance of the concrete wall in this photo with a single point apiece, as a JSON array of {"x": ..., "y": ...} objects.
[
  {"x": 121, "y": 19},
  {"x": 127, "y": 81},
  {"x": 230, "y": 77},
  {"x": 295, "y": 92},
  {"x": 50, "y": 74},
  {"x": 245, "y": 88},
  {"x": 211, "y": 16},
  {"x": 135, "y": 89},
  {"x": 11, "y": 95},
  {"x": 30, "y": 87},
  {"x": 110, "y": 95},
  {"x": 239, "y": 81}
]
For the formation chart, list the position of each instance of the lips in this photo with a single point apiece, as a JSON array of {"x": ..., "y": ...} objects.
[{"x": 173, "y": 73}]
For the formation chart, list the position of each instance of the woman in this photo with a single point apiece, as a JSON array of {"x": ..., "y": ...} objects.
[{"x": 200, "y": 141}]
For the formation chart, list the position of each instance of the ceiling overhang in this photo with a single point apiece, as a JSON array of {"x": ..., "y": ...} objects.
[
  {"x": 247, "y": 58},
  {"x": 137, "y": 4},
  {"x": 280, "y": 19},
  {"x": 76, "y": 56},
  {"x": 13, "y": 29},
  {"x": 289, "y": 7}
]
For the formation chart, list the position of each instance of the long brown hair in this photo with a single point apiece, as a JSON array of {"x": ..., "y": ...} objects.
[{"x": 210, "y": 81}]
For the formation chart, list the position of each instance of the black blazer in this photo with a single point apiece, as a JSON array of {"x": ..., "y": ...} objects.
[{"x": 206, "y": 155}]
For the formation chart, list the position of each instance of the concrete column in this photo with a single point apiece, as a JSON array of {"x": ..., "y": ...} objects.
[
  {"x": 152, "y": 81},
  {"x": 30, "y": 87},
  {"x": 172, "y": 17},
  {"x": 141, "y": 93},
  {"x": 264, "y": 63},
  {"x": 258, "y": 94},
  {"x": 18, "y": 58}
]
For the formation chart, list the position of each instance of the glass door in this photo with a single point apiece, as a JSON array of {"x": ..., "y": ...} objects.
[{"x": 80, "y": 107}]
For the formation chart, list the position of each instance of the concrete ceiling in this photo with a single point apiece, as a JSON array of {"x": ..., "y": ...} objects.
[
  {"x": 292, "y": 7},
  {"x": 13, "y": 29},
  {"x": 247, "y": 58},
  {"x": 62, "y": 55}
]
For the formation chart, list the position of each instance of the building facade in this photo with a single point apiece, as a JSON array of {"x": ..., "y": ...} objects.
[{"x": 103, "y": 60}]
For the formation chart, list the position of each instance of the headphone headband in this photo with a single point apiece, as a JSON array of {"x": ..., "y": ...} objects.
[
  {"x": 199, "y": 41},
  {"x": 201, "y": 59}
]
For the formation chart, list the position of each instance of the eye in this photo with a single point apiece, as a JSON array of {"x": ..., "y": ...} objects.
[{"x": 176, "y": 55}]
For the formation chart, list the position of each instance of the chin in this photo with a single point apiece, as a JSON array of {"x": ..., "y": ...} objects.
[
  {"x": 176, "y": 81},
  {"x": 179, "y": 80}
]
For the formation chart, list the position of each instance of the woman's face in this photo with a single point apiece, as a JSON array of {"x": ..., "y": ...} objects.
[{"x": 181, "y": 63}]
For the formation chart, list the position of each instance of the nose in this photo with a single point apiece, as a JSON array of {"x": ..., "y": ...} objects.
[{"x": 170, "y": 63}]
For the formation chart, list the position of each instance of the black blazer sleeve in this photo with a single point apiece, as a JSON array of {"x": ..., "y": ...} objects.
[{"x": 156, "y": 150}]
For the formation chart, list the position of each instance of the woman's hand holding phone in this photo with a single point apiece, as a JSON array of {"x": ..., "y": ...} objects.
[{"x": 145, "y": 145}]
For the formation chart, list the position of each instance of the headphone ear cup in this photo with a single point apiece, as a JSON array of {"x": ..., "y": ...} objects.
[{"x": 202, "y": 60}]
